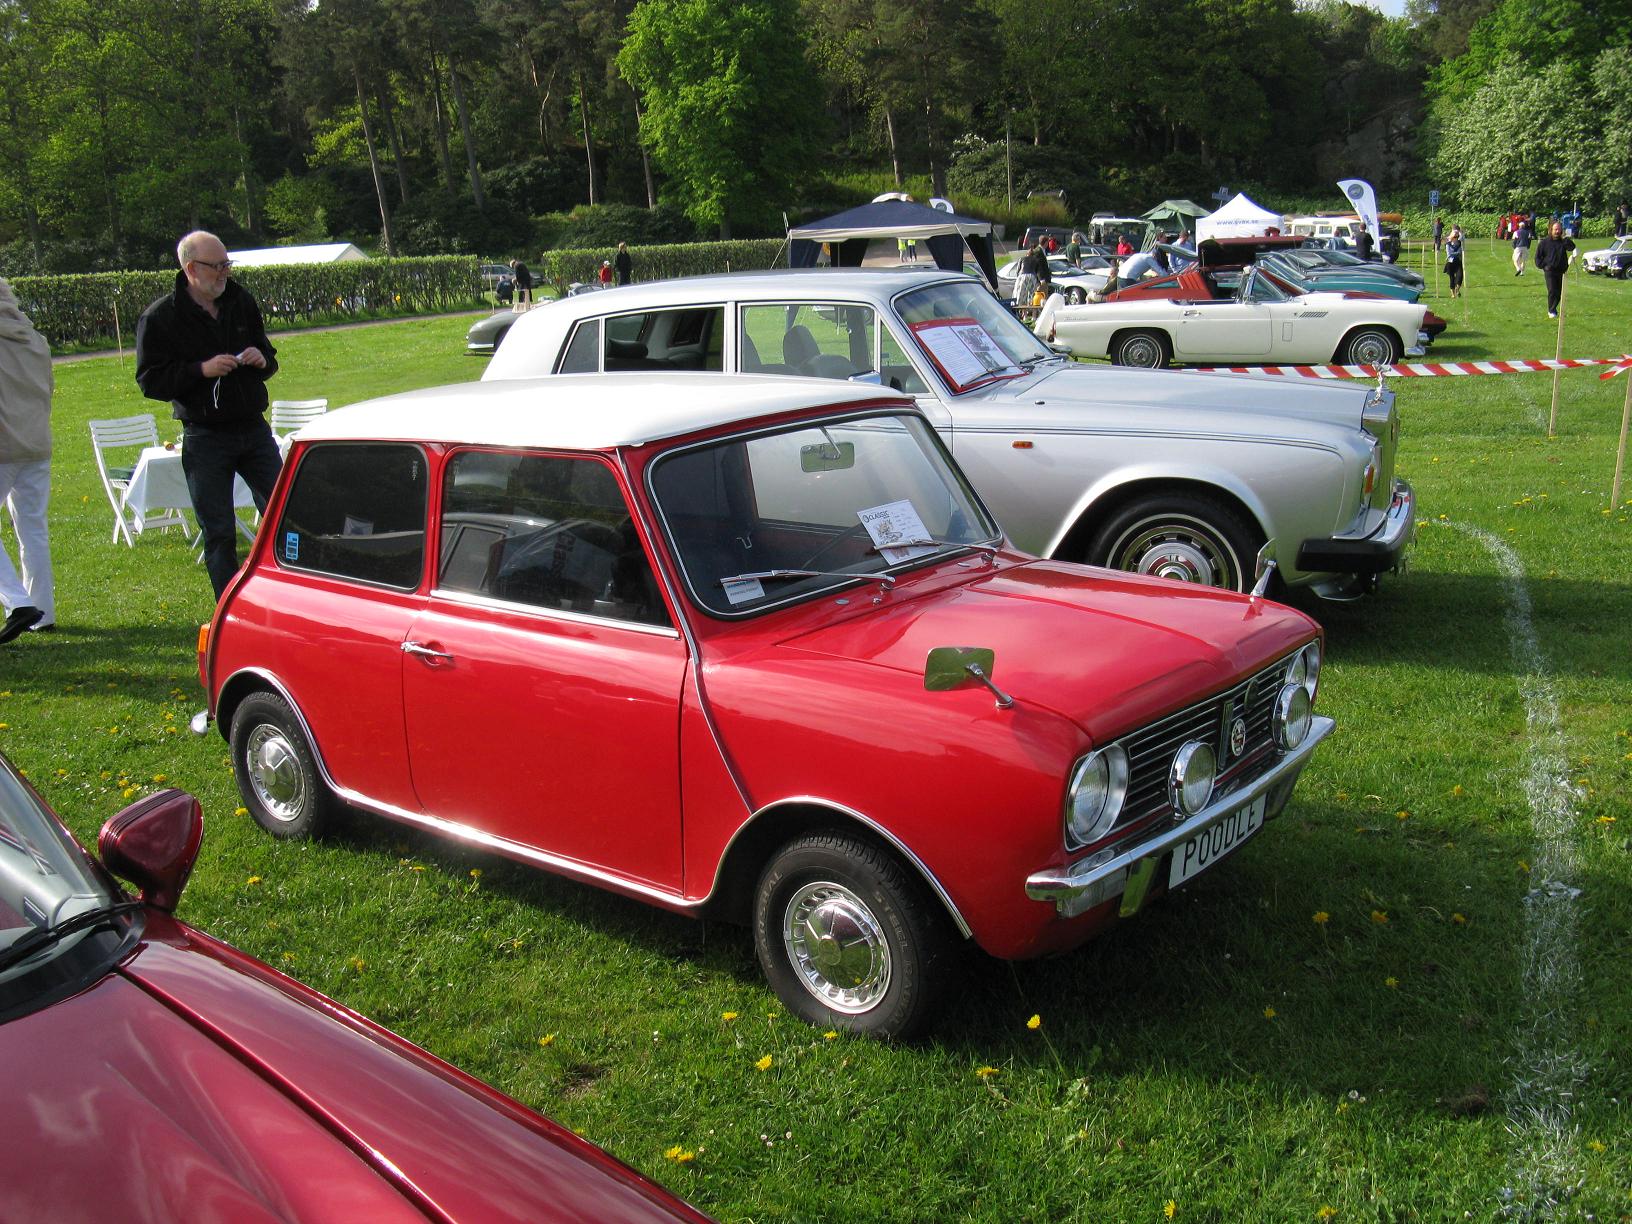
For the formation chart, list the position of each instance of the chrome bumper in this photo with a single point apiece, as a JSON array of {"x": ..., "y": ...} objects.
[
  {"x": 1368, "y": 554},
  {"x": 1096, "y": 879}
]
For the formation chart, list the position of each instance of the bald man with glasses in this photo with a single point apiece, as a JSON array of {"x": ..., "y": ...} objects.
[{"x": 203, "y": 347}]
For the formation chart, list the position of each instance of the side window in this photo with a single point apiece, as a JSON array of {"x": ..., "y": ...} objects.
[
  {"x": 813, "y": 339},
  {"x": 583, "y": 352},
  {"x": 357, "y": 510},
  {"x": 896, "y": 368},
  {"x": 687, "y": 339},
  {"x": 545, "y": 531}
]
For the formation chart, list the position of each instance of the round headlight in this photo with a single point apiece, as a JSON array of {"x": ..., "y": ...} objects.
[
  {"x": 1099, "y": 783},
  {"x": 1311, "y": 668},
  {"x": 1191, "y": 783},
  {"x": 1292, "y": 716}
]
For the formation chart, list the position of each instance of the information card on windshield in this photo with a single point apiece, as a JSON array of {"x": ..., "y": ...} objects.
[{"x": 962, "y": 348}]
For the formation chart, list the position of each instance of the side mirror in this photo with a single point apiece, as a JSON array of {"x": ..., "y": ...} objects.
[
  {"x": 950, "y": 667},
  {"x": 1265, "y": 567},
  {"x": 154, "y": 843},
  {"x": 871, "y": 377}
]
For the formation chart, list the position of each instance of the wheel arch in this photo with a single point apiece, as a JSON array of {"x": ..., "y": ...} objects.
[
  {"x": 1101, "y": 503},
  {"x": 253, "y": 680},
  {"x": 786, "y": 820},
  {"x": 1153, "y": 328}
]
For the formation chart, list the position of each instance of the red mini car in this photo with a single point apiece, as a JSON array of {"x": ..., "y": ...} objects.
[
  {"x": 152, "y": 1073},
  {"x": 746, "y": 645}
]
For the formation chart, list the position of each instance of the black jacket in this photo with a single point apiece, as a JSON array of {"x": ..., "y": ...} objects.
[
  {"x": 1553, "y": 254},
  {"x": 176, "y": 336}
]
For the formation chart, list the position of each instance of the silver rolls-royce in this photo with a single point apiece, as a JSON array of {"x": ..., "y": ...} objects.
[{"x": 1183, "y": 475}]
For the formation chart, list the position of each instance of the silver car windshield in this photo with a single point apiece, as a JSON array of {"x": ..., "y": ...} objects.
[
  {"x": 780, "y": 517},
  {"x": 919, "y": 308}
]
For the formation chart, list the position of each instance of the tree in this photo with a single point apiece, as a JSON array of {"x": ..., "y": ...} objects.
[{"x": 731, "y": 102}]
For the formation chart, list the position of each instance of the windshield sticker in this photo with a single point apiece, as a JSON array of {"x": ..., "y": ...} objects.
[
  {"x": 291, "y": 546},
  {"x": 962, "y": 348},
  {"x": 742, "y": 590},
  {"x": 892, "y": 527}
]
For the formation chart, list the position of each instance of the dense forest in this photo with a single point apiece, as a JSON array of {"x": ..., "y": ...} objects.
[{"x": 503, "y": 126}]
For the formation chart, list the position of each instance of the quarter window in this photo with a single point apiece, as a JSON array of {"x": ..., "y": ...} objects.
[{"x": 357, "y": 510}]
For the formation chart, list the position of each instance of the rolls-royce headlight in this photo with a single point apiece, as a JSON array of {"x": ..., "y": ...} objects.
[
  {"x": 1292, "y": 716},
  {"x": 1099, "y": 783},
  {"x": 1191, "y": 782}
]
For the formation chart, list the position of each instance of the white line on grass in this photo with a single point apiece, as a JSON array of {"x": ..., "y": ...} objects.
[
  {"x": 1532, "y": 410},
  {"x": 1548, "y": 1069}
]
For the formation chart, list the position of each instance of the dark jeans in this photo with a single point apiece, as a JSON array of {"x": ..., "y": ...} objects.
[
  {"x": 211, "y": 457},
  {"x": 1555, "y": 289}
]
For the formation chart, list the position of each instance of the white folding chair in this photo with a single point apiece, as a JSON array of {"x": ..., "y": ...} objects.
[
  {"x": 132, "y": 433},
  {"x": 290, "y": 415}
]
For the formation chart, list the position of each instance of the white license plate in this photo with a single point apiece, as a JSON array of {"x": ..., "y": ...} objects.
[{"x": 1215, "y": 841}]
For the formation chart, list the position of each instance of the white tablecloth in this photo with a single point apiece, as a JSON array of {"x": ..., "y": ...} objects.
[{"x": 159, "y": 484}]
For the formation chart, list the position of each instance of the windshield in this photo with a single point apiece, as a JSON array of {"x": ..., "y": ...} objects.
[
  {"x": 45, "y": 882},
  {"x": 1001, "y": 343},
  {"x": 780, "y": 517}
]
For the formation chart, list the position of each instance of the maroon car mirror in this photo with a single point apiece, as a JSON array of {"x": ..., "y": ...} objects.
[{"x": 153, "y": 843}]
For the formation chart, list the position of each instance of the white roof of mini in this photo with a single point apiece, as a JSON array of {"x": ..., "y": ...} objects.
[{"x": 585, "y": 411}]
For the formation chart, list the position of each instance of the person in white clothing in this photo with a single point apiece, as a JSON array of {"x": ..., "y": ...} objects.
[{"x": 25, "y": 470}]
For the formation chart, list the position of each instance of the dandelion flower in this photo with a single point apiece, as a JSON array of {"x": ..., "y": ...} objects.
[
  {"x": 1269, "y": 1013},
  {"x": 1524, "y": 866},
  {"x": 1606, "y": 820},
  {"x": 1380, "y": 917},
  {"x": 679, "y": 1155},
  {"x": 1457, "y": 790},
  {"x": 1459, "y": 919},
  {"x": 830, "y": 1035},
  {"x": 358, "y": 963},
  {"x": 240, "y": 811},
  {"x": 1597, "y": 1145},
  {"x": 1326, "y": 1212},
  {"x": 985, "y": 1072},
  {"x": 1321, "y": 918},
  {"x": 1393, "y": 983},
  {"x": 253, "y": 880},
  {"x": 547, "y": 1040},
  {"x": 728, "y": 1016},
  {"x": 764, "y": 1064},
  {"x": 159, "y": 779},
  {"x": 1402, "y": 814},
  {"x": 129, "y": 791},
  {"x": 475, "y": 873},
  {"x": 1036, "y": 1022},
  {"x": 1170, "y": 1209}
]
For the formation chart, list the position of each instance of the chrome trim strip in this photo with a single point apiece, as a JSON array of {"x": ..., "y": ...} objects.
[
  {"x": 453, "y": 595},
  {"x": 859, "y": 818},
  {"x": 1064, "y": 885}
]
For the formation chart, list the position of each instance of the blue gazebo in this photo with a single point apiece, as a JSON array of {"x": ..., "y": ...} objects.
[{"x": 946, "y": 234}]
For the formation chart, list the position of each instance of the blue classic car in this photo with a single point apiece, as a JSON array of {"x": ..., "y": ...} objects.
[{"x": 1336, "y": 278}]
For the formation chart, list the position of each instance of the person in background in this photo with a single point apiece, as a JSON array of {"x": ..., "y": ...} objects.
[
  {"x": 522, "y": 285},
  {"x": 1620, "y": 218},
  {"x": 1073, "y": 250},
  {"x": 1135, "y": 268},
  {"x": 1553, "y": 256},
  {"x": 25, "y": 470},
  {"x": 1124, "y": 248},
  {"x": 1453, "y": 260},
  {"x": 1439, "y": 233},
  {"x": 1364, "y": 244},
  {"x": 203, "y": 347},
  {"x": 605, "y": 274},
  {"x": 623, "y": 265},
  {"x": 1521, "y": 243}
]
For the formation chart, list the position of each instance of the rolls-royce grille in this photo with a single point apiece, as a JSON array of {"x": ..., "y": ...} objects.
[{"x": 1151, "y": 749}]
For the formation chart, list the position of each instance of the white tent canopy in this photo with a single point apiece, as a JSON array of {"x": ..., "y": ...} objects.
[
  {"x": 328, "y": 252},
  {"x": 1240, "y": 218}
]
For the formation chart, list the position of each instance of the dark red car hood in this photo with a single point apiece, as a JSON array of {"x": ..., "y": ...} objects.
[{"x": 196, "y": 1084}]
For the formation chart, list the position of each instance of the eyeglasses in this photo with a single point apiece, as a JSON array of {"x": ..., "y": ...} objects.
[{"x": 221, "y": 266}]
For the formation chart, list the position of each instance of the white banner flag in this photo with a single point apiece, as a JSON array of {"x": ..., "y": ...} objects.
[{"x": 1364, "y": 200}]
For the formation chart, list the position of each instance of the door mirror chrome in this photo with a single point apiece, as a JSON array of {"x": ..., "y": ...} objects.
[
  {"x": 1265, "y": 568},
  {"x": 950, "y": 667},
  {"x": 870, "y": 377}
]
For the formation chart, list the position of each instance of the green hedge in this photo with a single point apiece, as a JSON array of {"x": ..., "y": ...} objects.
[
  {"x": 562, "y": 268},
  {"x": 80, "y": 311}
]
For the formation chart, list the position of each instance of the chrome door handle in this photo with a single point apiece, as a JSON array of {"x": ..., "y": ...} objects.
[
  {"x": 1190, "y": 314},
  {"x": 426, "y": 652}
]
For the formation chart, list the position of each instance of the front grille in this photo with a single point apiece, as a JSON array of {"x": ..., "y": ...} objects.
[{"x": 1151, "y": 749}]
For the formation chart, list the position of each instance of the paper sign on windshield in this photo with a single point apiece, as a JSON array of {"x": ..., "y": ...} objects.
[
  {"x": 741, "y": 590},
  {"x": 962, "y": 348},
  {"x": 893, "y": 523}
]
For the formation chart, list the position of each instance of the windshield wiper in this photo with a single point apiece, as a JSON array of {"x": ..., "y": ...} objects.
[
  {"x": 43, "y": 937},
  {"x": 886, "y": 580},
  {"x": 990, "y": 550}
]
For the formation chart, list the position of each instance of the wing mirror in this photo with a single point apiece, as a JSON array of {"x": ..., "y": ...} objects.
[
  {"x": 1264, "y": 570},
  {"x": 950, "y": 667},
  {"x": 154, "y": 843}
]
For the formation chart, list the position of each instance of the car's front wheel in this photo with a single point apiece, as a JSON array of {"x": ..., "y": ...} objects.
[
  {"x": 1148, "y": 350},
  {"x": 1189, "y": 538},
  {"x": 276, "y": 770},
  {"x": 1371, "y": 346},
  {"x": 848, "y": 939}
]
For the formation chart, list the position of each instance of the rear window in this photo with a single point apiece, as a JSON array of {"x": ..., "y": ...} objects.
[{"x": 357, "y": 510}]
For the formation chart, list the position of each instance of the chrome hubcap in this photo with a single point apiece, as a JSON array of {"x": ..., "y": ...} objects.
[
  {"x": 1169, "y": 550},
  {"x": 1372, "y": 350},
  {"x": 837, "y": 947},
  {"x": 1142, "y": 352},
  {"x": 275, "y": 773}
]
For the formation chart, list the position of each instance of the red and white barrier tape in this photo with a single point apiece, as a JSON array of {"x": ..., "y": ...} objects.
[{"x": 1426, "y": 369}]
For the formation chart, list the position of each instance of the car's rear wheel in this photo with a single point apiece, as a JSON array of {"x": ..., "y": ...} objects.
[
  {"x": 1186, "y": 537},
  {"x": 849, "y": 939},
  {"x": 276, "y": 770},
  {"x": 1148, "y": 350},
  {"x": 1370, "y": 346}
]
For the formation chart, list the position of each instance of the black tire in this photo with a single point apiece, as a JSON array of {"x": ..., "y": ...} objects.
[
  {"x": 1148, "y": 350},
  {"x": 1371, "y": 346},
  {"x": 1188, "y": 537},
  {"x": 849, "y": 939},
  {"x": 276, "y": 770}
]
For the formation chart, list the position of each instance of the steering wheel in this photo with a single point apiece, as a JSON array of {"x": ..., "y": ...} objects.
[{"x": 822, "y": 551}]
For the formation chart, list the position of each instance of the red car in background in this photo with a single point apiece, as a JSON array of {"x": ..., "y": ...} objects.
[{"x": 153, "y": 1073}]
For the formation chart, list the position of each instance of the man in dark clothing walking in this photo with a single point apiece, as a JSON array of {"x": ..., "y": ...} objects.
[
  {"x": 623, "y": 265},
  {"x": 1364, "y": 243},
  {"x": 204, "y": 348},
  {"x": 1553, "y": 255}
]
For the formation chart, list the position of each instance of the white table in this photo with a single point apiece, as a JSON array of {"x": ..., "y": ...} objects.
[{"x": 158, "y": 485}]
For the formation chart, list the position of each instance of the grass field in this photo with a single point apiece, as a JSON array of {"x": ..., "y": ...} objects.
[{"x": 1393, "y": 1005}]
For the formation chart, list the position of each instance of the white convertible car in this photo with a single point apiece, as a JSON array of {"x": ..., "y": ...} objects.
[
  {"x": 1184, "y": 476},
  {"x": 1261, "y": 321}
]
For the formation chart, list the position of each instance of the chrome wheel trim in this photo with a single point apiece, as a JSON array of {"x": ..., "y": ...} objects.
[
  {"x": 837, "y": 947},
  {"x": 1142, "y": 351},
  {"x": 1177, "y": 547},
  {"x": 275, "y": 773},
  {"x": 1371, "y": 348}
]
